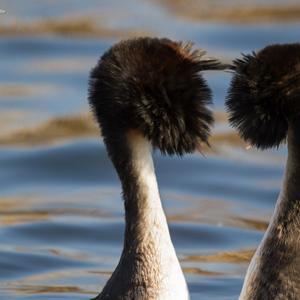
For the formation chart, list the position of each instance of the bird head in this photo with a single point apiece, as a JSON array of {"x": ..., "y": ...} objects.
[
  {"x": 154, "y": 86},
  {"x": 264, "y": 95}
]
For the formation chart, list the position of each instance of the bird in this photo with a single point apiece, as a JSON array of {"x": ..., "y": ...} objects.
[
  {"x": 263, "y": 102},
  {"x": 147, "y": 93}
]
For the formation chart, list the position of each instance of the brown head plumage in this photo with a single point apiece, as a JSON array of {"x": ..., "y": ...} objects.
[
  {"x": 155, "y": 86},
  {"x": 264, "y": 95}
]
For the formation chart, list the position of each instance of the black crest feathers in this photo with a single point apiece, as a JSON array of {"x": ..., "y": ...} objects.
[
  {"x": 264, "y": 94},
  {"x": 153, "y": 85}
]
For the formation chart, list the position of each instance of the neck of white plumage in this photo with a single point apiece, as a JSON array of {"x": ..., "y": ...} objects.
[
  {"x": 144, "y": 213},
  {"x": 148, "y": 252},
  {"x": 131, "y": 154},
  {"x": 287, "y": 212},
  {"x": 275, "y": 267}
]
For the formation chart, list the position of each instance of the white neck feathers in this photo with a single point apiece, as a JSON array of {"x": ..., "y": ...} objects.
[{"x": 153, "y": 221}]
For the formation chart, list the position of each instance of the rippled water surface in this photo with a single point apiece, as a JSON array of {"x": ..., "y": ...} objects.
[{"x": 61, "y": 213}]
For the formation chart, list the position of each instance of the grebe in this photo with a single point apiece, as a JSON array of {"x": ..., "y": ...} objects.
[
  {"x": 264, "y": 105},
  {"x": 147, "y": 93}
]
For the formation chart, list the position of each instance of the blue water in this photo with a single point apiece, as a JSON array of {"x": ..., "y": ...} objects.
[{"x": 61, "y": 213}]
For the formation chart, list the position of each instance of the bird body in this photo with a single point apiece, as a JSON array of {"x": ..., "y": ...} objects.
[
  {"x": 263, "y": 104},
  {"x": 147, "y": 94},
  {"x": 274, "y": 272}
]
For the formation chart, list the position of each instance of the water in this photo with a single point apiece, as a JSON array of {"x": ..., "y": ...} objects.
[{"x": 61, "y": 213}]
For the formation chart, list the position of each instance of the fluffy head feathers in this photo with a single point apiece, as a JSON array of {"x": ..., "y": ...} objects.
[
  {"x": 153, "y": 85},
  {"x": 264, "y": 94}
]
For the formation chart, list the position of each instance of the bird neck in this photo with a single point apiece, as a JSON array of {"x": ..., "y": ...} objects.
[
  {"x": 145, "y": 220},
  {"x": 144, "y": 214},
  {"x": 275, "y": 267},
  {"x": 287, "y": 211},
  {"x": 148, "y": 258}
]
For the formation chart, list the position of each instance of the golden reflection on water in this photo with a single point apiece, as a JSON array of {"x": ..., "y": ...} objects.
[
  {"x": 21, "y": 91},
  {"x": 223, "y": 257},
  {"x": 55, "y": 130},
  {"x": 22, "y": 217},
  {"x": 215, "y": 212},
  {"x": 226, "y": 138},
  {"x": 40, "y": 283},
  {"x": 73, "y": 26},
  {"x": 250, "y": 223},
  {"x": 7, "y": 219},
  {"x": 52, "y": 276},
  {"x": 46, "y": 289},
  {"x": 70, "y": 255},
  {"x": 232, "y": 12},
  {"x": 200, "y": 210},
  {"x": 202, "y": 272},
  {"x": 8, "y": 204}
]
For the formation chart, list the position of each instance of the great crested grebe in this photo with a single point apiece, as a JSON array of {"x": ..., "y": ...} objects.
[
  {"x": 264, "y": 105},
  {"x": 147, "y": 93}
]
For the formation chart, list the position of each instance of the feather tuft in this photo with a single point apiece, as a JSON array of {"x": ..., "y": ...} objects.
[
  {"x": 154, "y": 85},
  {"x": 264, "y": 94}
]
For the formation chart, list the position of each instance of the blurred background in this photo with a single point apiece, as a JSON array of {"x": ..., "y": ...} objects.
[{"x": 61, "y": 214}]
